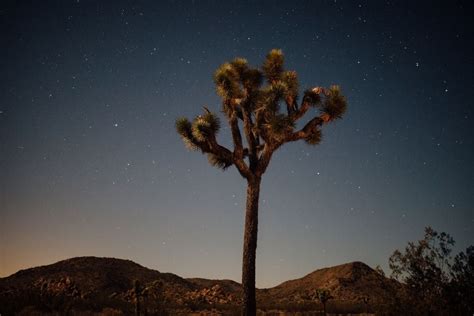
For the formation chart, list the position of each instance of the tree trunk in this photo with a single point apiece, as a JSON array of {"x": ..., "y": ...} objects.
[
  {"x": 137, "y": 305},
  {"x": 250, "y": 248}
]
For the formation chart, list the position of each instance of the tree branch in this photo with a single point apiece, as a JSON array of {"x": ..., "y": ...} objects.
[
  {"x": 291, "y": 106},
  {"x": 261, "y": 132},
  {"x": 258, "y": 150},
  {"x": 299, "y": 113},
  {"x": 265, "y": 158},
  {"x": 211, "y": 146},
  {"x": 306, "y": 131},
  {"x": 236, "y": 137},
  {"x": 238, "y": 155},
  {"x": 252, "y": 143},
  {"x": 219, "y": 150},
  {"x": 243, "y": 168},
  {"x": 306, "y": 103}
]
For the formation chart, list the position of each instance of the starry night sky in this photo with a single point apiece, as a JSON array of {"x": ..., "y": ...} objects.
[{"x": 90, "y": 163}]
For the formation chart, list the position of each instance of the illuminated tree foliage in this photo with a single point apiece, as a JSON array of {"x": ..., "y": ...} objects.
[{"x": 264, "y": 103}]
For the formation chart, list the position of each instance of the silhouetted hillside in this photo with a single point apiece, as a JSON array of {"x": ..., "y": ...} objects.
[
  {"x": 91, "y": 283},
  {"x": 92, "y": 274},
  {"x": 346, "y": 282}
]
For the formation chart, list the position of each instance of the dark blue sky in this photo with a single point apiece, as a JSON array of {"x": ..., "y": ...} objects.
[{"x": 90, "y": 163}]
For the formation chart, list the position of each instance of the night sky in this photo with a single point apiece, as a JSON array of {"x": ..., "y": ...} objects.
[{"x": 91, "y": 164}]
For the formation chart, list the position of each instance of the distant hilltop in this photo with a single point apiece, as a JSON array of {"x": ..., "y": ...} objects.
[{"x": 107, "y": 284}]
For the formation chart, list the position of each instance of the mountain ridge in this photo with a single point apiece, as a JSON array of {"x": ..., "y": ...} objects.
[{"x": 103, "y": 281}]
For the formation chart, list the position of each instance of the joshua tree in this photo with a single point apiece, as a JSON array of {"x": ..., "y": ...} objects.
[
  {"x": 249, "y": 102},
  {"x": 323, "y": 295},
  {"x": 366, "y": 301},
  {"x": 137, "y": 292}
]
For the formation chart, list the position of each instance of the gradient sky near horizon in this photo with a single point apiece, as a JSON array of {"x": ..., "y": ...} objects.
[{"x": 90, "y": 163}]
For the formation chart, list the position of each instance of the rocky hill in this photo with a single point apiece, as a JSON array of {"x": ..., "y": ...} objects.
[
  {"x": 347, "y": 282},
  {"x": 91, "y": 274},
  {"x": 91, "y": 283}
]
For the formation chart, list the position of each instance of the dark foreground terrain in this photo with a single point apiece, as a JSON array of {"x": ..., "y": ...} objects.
[{"x": 108, "y": 286}]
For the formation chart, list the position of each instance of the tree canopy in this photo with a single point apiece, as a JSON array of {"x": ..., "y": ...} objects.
[{"x": 254, "y": 98}]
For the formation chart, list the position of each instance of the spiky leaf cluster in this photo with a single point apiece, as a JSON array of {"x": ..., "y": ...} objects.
[
  {"x": 272, "y": 95},
  {"x": 184, "y": 129},
  {"x": 314, "y": 138},
  {"x": 312, "y": 97},
  {"x": 203, "y": 129},
  {"x": 335, "y": 103},
  {"x": 226, "y": 79},
  {"x": 290, "y": 78},
  {"x": 205, "y": 126},
  {"x": 273, "y": 65},
  {"x": 279, "y": 126},
  {"x": 218, "y": 161}
]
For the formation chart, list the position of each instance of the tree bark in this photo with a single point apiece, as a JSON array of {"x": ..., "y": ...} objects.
[{"x": 249, "y": 307}]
